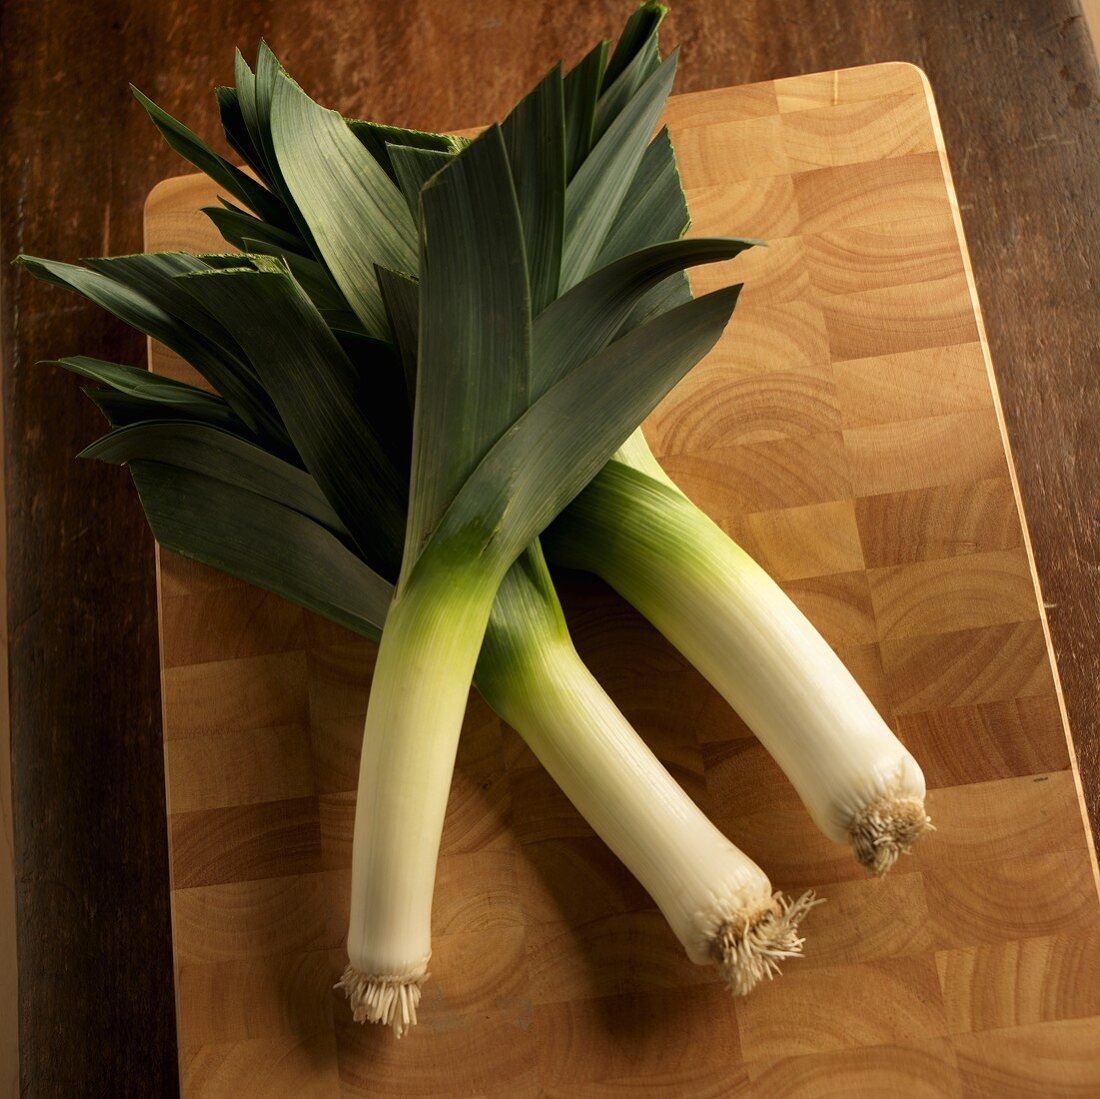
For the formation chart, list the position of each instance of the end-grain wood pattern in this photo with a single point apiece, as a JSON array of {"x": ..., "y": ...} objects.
[{"x": 847, "y": 432}]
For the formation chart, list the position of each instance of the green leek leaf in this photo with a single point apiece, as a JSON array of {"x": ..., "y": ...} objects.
[
  {"x": 314, "y": 279},
  {"x": 319, "y": 394},
  {"x": 236, "y": 129},
  {"x": 583, "y": 320},
  {"x": 221, "y": 260},
  {"x": 236, "y": 226},
  {"x": 375, "y": 137},
  {"x": 534, "y": 137},
  {"x": 244, "y": 80},
  {"x": 262, "y": 542},
  {"x": 401, "y": 295},
  {"x": 620, "y": 88},
  {"x": 654, "y": 208},
  {"x": 475, "y": 341},
  {"x": 192, "y": 148},
  {"x": 595, "y": 194},
  {"x": 582, "y": 90},
  {"x": 640, "y": 29},
  {"x": 384, "y": 402},
  {"x": 212, "y": 452},
  {"x": 355, "y": 212},
  {"x": 140, "y": 382},
  {"x": 153, "y": 391},
  {"x": 232, "y": 378},
  {"x": 564, "y": 438},
  {"x": 268, "y": 73},
  {"x": 121, "y": 409},
  {"x": 152, "y": 275},
  {"x": 413, "y": 168}
]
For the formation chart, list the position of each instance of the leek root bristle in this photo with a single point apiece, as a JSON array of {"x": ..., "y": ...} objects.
[
  {"x": 749, "y": 948},
  {"x": 391, "y": 1001},
  {"x": 887, "y": 828}
]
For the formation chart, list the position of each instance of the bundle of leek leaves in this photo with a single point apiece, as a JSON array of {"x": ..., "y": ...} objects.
[{"x": 429, "y": 352}]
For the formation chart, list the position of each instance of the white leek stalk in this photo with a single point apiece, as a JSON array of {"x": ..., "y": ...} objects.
[
  {"x": 733, "y": 622},
  {"x": 421, "y": 682},
  {"x": 718, "y": 902}
]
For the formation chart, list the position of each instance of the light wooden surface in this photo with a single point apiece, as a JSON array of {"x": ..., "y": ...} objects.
[{"x": 846, "y": 432}]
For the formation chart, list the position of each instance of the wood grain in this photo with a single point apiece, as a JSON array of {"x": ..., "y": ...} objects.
[
  {"x": 1050, "y": 1059},
  {"x": 1020, "y": 107},
  {"x": 806, "y": 433}
]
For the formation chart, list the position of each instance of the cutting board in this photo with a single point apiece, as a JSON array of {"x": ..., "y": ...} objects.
[{"x": 846, "y": 430}]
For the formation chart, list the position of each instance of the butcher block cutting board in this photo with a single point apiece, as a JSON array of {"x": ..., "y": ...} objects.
[{"x": 846, "y": 431}]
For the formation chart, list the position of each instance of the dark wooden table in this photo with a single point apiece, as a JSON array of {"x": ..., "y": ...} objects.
[{"x": 1017, "y": 88}]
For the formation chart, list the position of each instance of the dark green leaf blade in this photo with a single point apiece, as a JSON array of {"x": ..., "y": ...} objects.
[
  {"x": 595, "y": 195},
  {"x": 140, "y": 382},
  {"x": 582, "y": 89},
  {"x": 583, "y": 320},
  {"x": 318, "y": 393},
  {"x": 154, "y": 393},
  {"x": 673, "y": 291},
  {"x": 262, "y": 543},
  {"x": 567, "y": 435},
  {"x": 310, "y": 274},
  {"x": 534, "y": 137},
  {"x": 356, "y": 214},
  {"x": 122, "y": 408},
  {"x": 654, "y": 208},
  {"x": 268, "y": 73},
  {"x": 120, "y": 299},
  {"x": 212, "y": 452},
  {"x": 475, "y": 341},
  {"x": 640, "y": 29},
  {"x": 221, "y": 260},
  {"x": 618, "y": 92},
  {"x": 236, "y": 227},
  {"x": 401, "y": 296},
  {"x": 261, "y": 90},
  {"x": 382, "y": 394},
  {"x": 244, "y": 80},
  {"x": 413, "y": 168},
  {"x": 376, "y": 137},
  {"x": 236, "y": 130},
  {"x": 153, "y": 275},
  {"x": 192, "y": 148},
  {"x": 231, "y": 377}
]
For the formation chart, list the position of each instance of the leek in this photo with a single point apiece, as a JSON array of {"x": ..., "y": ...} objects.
[
  {"x": 737, "y": 626},
  {"x": 859, "y": 783},
  {"x": 215, "y": 497},
  {"x": 289, "y": 479},
  {"x": 718, "y": 902},
  {"x": 439, "y": 611}
]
